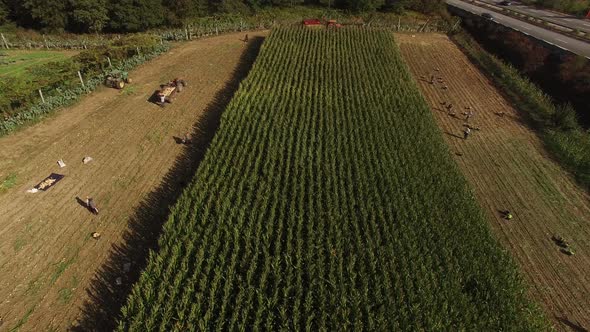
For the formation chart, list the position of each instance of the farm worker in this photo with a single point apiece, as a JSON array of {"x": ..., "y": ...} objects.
[
  {"x": 466, "y": 132},
  {"x": 450, "y": 109},
  {"x": 179, "y": 82},
  {"x": 431, "y": 78},
  {"x": 246, "y": 38},
  {"x": 468, "y": 115},
  {"x": 186, "y": 139},
  {"x": 161, "y": 97},
  {"x": 91, "y": 205}
]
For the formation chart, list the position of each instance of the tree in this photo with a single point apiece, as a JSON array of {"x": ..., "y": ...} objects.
[
  {"x": 47, "y": 14},
  {"x": 180, "y": 11},
  {"x": 135, "y": 15},
  {"x": 230, "y": 6},
  {"x": 3, "y": 12},
  {"x": 397, "y": 6},
  {"x": 427, "y": 6},
  {"x": 88, "y": 15}
]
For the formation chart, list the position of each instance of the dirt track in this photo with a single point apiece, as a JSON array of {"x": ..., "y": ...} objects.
[
  {"x": 506, "y": 165},
  {"x": 53, "y": 275}
]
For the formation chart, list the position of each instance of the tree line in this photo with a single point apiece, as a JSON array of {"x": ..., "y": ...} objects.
[
  {"x": 81, "y": 16},
  {"x": 574, "y": 7}
]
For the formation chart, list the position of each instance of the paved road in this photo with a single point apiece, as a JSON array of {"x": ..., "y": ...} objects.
[
  {"x": 571, "y": 44},
  {"x": 550, "y": 16}
]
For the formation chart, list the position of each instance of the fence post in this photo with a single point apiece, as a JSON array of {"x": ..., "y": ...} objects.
[
  {"x": 455, "y": 25},
  {"x": 423, "y": 28},
  {"x": 45, "y": 41},
  {"x": 81, "y": 80},
  {"x": 41, "y": 94},
  {"x": 186, "y": 33},
  {"x": 216, "y": 30},
  {"x": 399, "y": 23},
  {"x": 137, "y": 49},
  {"x": 5, "y": 42},
  {"x": 109, "y": 59}
]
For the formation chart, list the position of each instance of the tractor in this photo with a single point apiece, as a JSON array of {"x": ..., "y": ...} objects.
[{"x": 117, "y": 79}]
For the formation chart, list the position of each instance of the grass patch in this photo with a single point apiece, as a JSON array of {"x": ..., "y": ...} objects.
[
  {"x": 23, "y": 238},
  {"x": 33, "y": 287},
  {"x": 8, "y": 182},
  {"x": 15, "y": 63},
  {"x": 557, "y": 125},
  {"x": 60, "y": 268},
  {"x": 129, "y": 90},
  {"x": 65, "y": 294},
  {"x": 155, "y": 137},
  {"x": 23, "y": 320}
]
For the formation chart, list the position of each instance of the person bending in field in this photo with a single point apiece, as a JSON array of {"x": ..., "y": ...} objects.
[
  {"x": 186, "y": 139},
  {"x": 468, "y": 115},
  {"x": 91, "y": 205},
  {"x": 466, "y": 132},
  {"x": 160, "y": 98}
]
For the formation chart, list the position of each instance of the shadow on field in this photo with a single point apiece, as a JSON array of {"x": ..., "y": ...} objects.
[
  {"x": 573, "y": 326},
  {"x": 102, "y": 310}
]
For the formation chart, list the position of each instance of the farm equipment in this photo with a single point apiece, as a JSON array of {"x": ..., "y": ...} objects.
[
  {"x": 168, "y": 91},
  {"x": 117, "y": 79},
  {"x": 333, "y": 24},
  {"x": 317, "y": 23},
  {"x": 312, "y": 23}
]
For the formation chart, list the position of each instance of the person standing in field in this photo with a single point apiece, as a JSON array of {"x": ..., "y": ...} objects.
[
  {"x": 466, "y": 132},
  {"x": 91, "y": 205}
]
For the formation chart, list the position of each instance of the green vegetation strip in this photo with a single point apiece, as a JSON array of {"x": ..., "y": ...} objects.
[
  {"x": 13, "y": 64},
  {"x": 557, "y": 125},
  {"x": 327, "y": 201},
  {"x": 20, "y": 103}
]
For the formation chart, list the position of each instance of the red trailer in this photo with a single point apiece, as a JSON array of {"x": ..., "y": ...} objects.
[{"x": 312, "y": 22}]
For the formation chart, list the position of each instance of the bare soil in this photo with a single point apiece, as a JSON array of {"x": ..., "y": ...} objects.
[
  {"x": 53, "y": 274},
  {"x": 509, "y": 170}
]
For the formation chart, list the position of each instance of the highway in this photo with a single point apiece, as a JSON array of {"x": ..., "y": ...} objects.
[
  {"x": 565, "y": 20},
  {"x": 567, "y": 43}
]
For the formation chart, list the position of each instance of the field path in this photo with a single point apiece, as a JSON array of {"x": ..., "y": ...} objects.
[
  {"x": 508, "y": 168},
  {"x": 53, "y": 274}
]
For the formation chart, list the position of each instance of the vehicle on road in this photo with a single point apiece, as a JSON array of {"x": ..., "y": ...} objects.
[
  {"x": 487, "y": 16},
  {"x": 505, "y": 3}
]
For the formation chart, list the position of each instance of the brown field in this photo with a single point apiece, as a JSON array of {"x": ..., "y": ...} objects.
[
  {"x": 53, "y": 274},
  {"x": 508, "y": 168}
]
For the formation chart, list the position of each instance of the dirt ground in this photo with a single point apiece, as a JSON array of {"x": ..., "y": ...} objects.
[
  {"x": 53, "y": 274},
  {"x": 508, "y": 169}
]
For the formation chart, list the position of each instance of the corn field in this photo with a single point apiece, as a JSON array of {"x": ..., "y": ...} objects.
[{"x": 328, "y": 201}]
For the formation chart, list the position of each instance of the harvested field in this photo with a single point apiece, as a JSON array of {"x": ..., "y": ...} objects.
[
  {"x": 53, "y": 274},
  {"x": 509, "y": 170}
]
